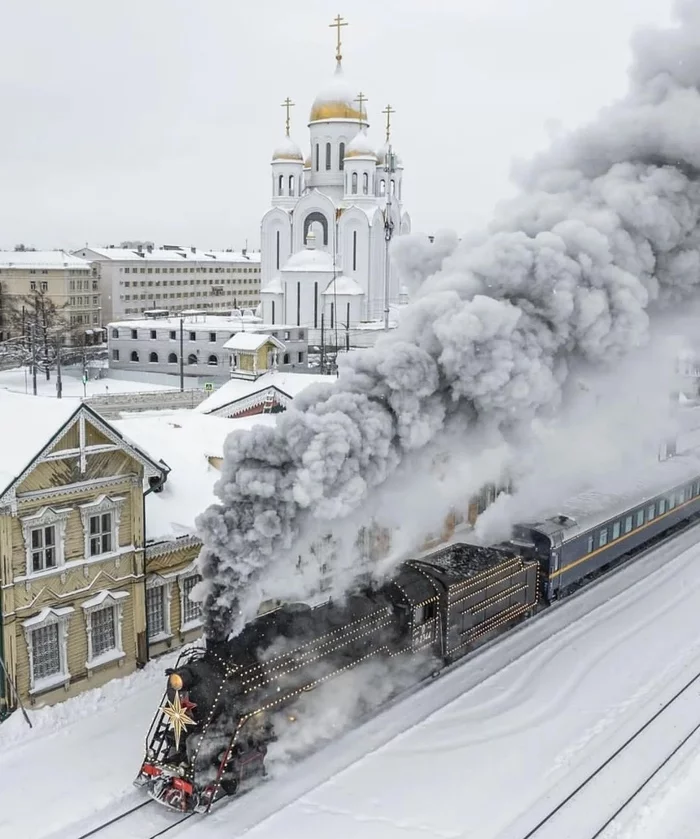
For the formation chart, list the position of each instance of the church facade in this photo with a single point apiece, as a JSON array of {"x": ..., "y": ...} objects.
[{"x": 324, "y": 239}]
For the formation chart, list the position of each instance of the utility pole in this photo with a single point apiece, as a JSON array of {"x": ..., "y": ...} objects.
[
  {"x": 59, "y": 381},
  {"x": 389, "y": 168},
  {"x": 32, "y": 333},
  {"x": 323, "y": 360},
  {"x": 182, "y": 360}
]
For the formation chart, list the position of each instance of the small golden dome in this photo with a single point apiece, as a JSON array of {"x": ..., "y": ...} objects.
[
  {"x": 360, "y": 146},
  {"x": 288, "y": 150},
  {"x": 336, "y": 101},
  {"x": 307, "y": 163}
]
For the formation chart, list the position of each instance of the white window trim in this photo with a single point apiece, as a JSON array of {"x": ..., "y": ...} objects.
[
  {"x": 195, "y": 623},
  {"x": 103, "y": 504},
  {"x": 46, "y": 617},
  {"x": 104, "y": 600},
  {"x": 156, "y": 581},
  {"x": 45, "y": 517}
]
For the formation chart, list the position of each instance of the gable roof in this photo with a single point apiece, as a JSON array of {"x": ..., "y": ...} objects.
[
  {"x": 30, "y": 425},
  {"x": 288, "y": 384},
  {"x": 251, "y": 341}
]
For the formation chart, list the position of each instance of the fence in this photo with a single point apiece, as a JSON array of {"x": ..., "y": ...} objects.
[{"x": 110, "y": 405}]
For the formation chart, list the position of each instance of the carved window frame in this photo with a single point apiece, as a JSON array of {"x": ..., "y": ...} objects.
[
  {"x": 45, "y": 517},
  {"x": 192, "y": 623},
  {"x": 157, "y": 581},
  {"x": 103, "y": 504},
  {"x": 49, "y": 617},
  {"x": 105, "y": 600}
]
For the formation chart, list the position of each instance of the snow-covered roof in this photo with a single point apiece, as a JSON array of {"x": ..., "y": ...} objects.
[
  {"x": 291, "y": 384},
  {"x": 343, "y": 285},
  {"x": 273, "y": 287},
  {"x": 181, "y": 255},
  {"x": 288, "y": 150},
  {"x": 209, "y": 323},
  {"x": 42, "y": 260},
  {"x": 360, "y": 146},
  {"x": 185, "y": 440},
  {"x": 250, "y": 342},
  {"x": 27, "y": 424},
  {"x": 309, "y": 259}
]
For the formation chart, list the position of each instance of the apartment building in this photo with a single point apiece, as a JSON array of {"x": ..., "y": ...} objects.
[
  {"x": 135, "y": 280},
  {"x": 67, "y": 282}
]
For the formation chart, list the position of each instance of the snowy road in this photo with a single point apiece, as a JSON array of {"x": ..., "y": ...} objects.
[{"x": 485, "y": 751}]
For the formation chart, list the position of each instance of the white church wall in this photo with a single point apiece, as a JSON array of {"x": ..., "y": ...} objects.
[
  {"x": 313, "y": 202},
  {"x": 354, "y": 242},
  {"x": 275, "y": 221}
]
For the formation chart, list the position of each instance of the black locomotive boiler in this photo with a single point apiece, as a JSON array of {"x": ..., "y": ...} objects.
[{"x": 215, "y": 723}]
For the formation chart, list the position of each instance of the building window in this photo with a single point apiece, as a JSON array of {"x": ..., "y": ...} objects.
[
  {"x": 365, "y": 184},
  {"x": 46, "y": 636},
  {"x": 354, "y": 183},
  {"x": 153, "y": 358},
  {"x": 280, "y": 185},
  {"x": 291, "y": 185},
  {"x": 134, "y": 355},
  {"x": 318, "y": 153},
  {"x": 157, "y": 608},
  {"x": 341, "y": 156},
  {"x": 277, "y": 237},
  {"x": 43, "y": 538},
  {"x": 328, "y": 157},
  {"x": 172, "y": 358},
  {"x": 103, "y": 618},
  {"x": 300, "y": 357},
  {"x": 115, "y": 333},
  {"x": 382, "y": 187},
  {"x": 192, "y": 358},
  {"x": 32, "y": 285},
  {"x": 212, "y": 337},
  {"x": 153, "y": 334},
  {"x": 101, "y": 525},
  {"x": 193, "y": 336},
  {"x": 190, "y": 610},
  {"x": 134, "y": 333},
  {"x": 213, "y": 360},
  {"x": 173, "y": 335},
  {"x": 354, "y": 250},
  {"x": 115, "y": 355}
]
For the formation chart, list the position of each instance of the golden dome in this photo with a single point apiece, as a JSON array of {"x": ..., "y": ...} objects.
[
  {"x": 360, "y": 146},
  {"x": 336, "y": 101},
  {"x": 307, "y": 163},
  {"x": 288, "y": 150}
]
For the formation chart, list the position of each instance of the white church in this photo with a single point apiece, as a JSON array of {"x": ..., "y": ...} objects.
[{"x": 324, "y": 239}]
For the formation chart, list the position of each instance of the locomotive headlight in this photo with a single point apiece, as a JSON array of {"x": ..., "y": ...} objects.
[{"x": 175, "y": 681}]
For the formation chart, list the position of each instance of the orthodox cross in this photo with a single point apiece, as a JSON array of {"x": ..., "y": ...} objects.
[
  {"x": 361, "y": 99},
  {"x": 338, "y": 22},
  {"x": 388, "y": 111},
  {"x": 288, "y": 104}
]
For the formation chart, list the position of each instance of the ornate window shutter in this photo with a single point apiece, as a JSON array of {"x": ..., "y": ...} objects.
[{"x": 45, "y": 517}]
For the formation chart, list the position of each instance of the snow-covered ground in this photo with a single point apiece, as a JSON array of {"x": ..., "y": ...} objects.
[
  {"x": 20, "y": 381},
  {"x": 484, "y": 751}
]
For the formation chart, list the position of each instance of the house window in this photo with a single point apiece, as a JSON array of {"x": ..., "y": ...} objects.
[
  {"x": 172, "y": 358},
  {"x": 43, "y": 538},
  {"x": 44, "y": 548},
  {"x": 46, "y": 639},
  {"x": 212, "y": 360},
  {"x": 115, "y": 355},
  {"x": 103, "y": 618},
  {"x": 191, "y": 358},
  {"x": 173, "y": 335},
  {"x": 193, "y": 336},
  {"x": 101, "y": 525},
  {"x": 134, "y": 333},
  {"x": 300, "y": 357},
  {"x": 212, "y": 337},
  {"x": 191, "y": 611},
  {"x": 153, "y": 358},
  {"x": 134, "y": 355},
  {"x": 158, "y": 607},
  {"x": 153, "y": 334},
  {"x": 115, "y": 333}
]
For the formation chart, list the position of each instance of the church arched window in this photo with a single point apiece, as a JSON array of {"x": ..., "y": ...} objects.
[
  {"x": 318, "y": 157},
  {"x": 321, "y": 219},
  {"x": 280, "y": 185},
  {"x": 393, "y": 187},
  {"x": 354, "y": 183},
  {"x": 382, "y": 187},
  {"x": 365, "y": 184},
  {"x": 291, "y": 184},
  {"x": 277, "y": 246},
  {"x": 328, "y": 156},
  {"x": 341, "y": 156}
]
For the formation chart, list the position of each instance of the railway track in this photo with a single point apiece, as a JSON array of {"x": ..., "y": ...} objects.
[
  {"x": 617, "y": 778},
  {"x": 120, "y": 825}
]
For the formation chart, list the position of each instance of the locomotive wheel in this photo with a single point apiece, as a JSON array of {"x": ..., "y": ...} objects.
[{"x": 230, "y": 786}]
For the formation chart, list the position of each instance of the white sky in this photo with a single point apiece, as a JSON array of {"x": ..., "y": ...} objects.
[{"x": 156, "y": 120}]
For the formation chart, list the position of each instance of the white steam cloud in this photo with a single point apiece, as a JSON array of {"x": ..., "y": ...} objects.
[{"x": 604, "y": 234}]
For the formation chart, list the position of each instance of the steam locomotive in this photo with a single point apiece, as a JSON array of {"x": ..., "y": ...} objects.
[{"x": 211, "y": 734}]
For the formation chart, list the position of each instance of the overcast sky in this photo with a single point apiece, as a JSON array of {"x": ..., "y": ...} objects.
[{"x": 156, "y": 119}]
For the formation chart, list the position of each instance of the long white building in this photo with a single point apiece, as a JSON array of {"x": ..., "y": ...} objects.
[{"x": 135, "y": 280}]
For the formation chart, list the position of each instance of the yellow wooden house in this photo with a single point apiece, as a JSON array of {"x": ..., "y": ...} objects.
[
  {"x": 253, "y": 354},
  {"x": 72, "y": 596}
]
